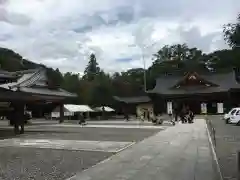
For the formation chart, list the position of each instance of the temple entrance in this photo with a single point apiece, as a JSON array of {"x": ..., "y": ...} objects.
[
  {"x": 194, "y": 105},
  {"x": 212, "y": 108}
]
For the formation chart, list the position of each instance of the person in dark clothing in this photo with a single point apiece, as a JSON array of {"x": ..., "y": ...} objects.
[
  {"x": 148, "y": 115},
  {"x": 103, "y": 113},
  {"x": 176, "y": 112},
  {"x": 82, "y": 119},
  {"x": 126, "y": 116},
  {"x": 17, "y": 117},
  {"x": 190, "y": 116},
  {"x": 183, "y": 114}
]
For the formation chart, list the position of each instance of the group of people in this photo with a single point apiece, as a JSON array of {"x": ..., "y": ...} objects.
[{"x": 185, "y": 114}]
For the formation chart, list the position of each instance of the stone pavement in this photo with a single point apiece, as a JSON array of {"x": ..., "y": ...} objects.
[{"x": 181, "y": 152}]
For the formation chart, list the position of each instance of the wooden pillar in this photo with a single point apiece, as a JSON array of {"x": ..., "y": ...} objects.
[
  {"x": 229, "y": 101},
  {"x": 61, "y": 112},
  {"x": 88, "y": 115},
  {"x": 103, "y": 113}
]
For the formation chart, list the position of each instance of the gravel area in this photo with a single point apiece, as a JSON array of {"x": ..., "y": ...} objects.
[
  {"x": 45, "y": 164},
  {"x": 227, "y": 145}
]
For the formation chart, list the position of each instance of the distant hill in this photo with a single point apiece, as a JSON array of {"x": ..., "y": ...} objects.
[{"x": 11, "y": 61}]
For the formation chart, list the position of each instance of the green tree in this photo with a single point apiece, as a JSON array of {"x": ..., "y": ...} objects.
[
  {"x": 223, "y": 60},
  {"x": 232, "y": 33},
  {"x": 177, "y": 52},
  {"x": 92, "y": 69},
  {"x": 177, "y": 59},
  {"x": 102, "y": 89},
  {"x": 55, "y": 78},
  {"x": 71, "y": 82},
  {"x": 128, "y": 83}
]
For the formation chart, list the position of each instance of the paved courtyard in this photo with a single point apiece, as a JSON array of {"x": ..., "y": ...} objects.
[
  {"x": 52, "y": 151},
  {"x": 107, "y": 152},
  {"x": 227, "y": 146}
]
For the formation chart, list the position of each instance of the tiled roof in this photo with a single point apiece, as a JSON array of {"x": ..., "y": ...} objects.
[
  {"x": 46, "y": 91},
  {"x": 224, "y": 81},
  {"x": 34, "y": 81},
  {"x": 7, "y": 75},
  {"x": 27, "y": 79}
]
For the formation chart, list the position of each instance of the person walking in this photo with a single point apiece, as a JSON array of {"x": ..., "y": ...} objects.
[
  {"x": 191, "y": 116},
  {"x": 148, "y": 115},
  {"x": 126, "y": 116},
  {"x": 81, "y": 119},
  {"x": 176, "y": 112},
  {"x": 18, "y": 117},
  {"x": 183, "y": 114}
]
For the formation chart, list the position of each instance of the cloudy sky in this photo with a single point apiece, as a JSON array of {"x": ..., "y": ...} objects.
[{"x": 62, "y": 33}]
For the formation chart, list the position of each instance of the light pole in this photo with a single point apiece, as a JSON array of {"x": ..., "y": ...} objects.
[{"x": 144, "y": 64}]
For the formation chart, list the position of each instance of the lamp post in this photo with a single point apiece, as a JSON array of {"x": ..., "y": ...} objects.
[{"x": 144, "y": 64}]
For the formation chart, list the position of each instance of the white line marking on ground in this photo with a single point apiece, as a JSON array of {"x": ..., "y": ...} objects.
[
  {"x": 109, "y": 126},
  {"x": 127, "y": 146},
  {"x": 104, "y": 146},
  {"x": 214, "y": 152}
]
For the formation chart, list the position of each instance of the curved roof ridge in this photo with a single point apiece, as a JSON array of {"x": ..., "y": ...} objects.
[
  {"x": 29, "y": 80},
  {"x": 26, "y": 71}
]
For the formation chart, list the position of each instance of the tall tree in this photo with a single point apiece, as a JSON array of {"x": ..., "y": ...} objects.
[
  {"x": 92, "y": 68},
  {"x": 55, "y": 78},
  {"x": 232, "y": 33},
  {"x": 176, "y": 52},
  {"x": 177, "y": 58},
  {"x": 71, "y": 82}
]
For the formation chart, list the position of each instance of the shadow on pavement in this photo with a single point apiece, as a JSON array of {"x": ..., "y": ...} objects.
[{"x": 6, "y": 134}]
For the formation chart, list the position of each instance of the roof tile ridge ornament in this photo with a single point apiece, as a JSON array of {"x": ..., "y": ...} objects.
[{"x": 192, "y": 75}]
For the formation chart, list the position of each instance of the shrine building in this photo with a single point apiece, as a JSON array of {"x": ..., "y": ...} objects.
[{"x": 204, "y": 93}]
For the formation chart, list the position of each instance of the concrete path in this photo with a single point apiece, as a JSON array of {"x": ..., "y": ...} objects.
[{"x": 181, "y": 152}]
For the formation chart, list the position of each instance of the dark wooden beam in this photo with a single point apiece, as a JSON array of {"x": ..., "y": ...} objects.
[{"x": 61, "y": 108}]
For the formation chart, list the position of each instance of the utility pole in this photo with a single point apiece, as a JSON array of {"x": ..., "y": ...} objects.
[
  {"x": 144, "y": 73},
  {"x": 144, "y": 65}
]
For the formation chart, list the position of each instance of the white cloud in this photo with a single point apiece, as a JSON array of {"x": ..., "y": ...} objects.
[{"x": 62, "y": 33}]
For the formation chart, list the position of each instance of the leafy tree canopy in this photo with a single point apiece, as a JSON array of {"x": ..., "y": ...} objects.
[{"x": 232, "y": 33}]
